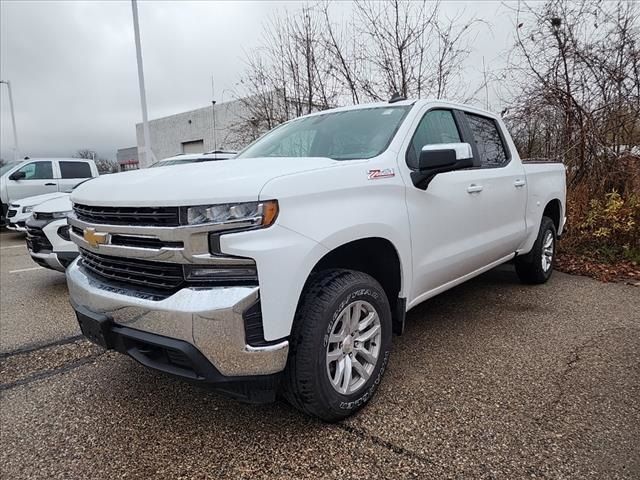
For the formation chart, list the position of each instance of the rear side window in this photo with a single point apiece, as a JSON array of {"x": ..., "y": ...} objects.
[
  {"x": 437, "y": 126},
  {"x": 488, "y": 140},
  {"x": 75, "y": 170}
]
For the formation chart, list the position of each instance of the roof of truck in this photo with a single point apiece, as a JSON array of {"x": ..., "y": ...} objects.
[{"x": 408, "y": 102}]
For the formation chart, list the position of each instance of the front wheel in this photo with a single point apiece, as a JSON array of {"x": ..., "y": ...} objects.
[
  {"x": 536, "y": 267},
  {"x": 340, "y": 344}
]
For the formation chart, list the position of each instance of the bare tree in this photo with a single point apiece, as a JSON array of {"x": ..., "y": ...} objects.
[
  {"x": 311, "y": 59},
  {"x": 574, "y": 79},
  {"x": 104, "y": 165}
]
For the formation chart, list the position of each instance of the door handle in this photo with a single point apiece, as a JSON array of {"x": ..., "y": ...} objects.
[
  {"x": 473, "y": 188},
  {"x": 519, "y": 183},
  {"x": 49, "y": 184}
]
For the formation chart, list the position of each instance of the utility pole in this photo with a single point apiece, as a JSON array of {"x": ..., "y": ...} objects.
[
  {"x": 149, "y": 158},
  {"x": 13, "y": 119},
  {"x": 213, "y": 114}
]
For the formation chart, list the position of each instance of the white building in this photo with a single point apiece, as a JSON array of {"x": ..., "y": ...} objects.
[{"x": 193, "y": 131}]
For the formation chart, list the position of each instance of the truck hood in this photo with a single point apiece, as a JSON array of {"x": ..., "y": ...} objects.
[
  {"x": 60, "y": 204},
  {"x": 38, "y": 199},
  {"x": 233, "y": 180}
]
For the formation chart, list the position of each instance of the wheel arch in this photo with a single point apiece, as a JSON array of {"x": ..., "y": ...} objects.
[
  {"x": 553, "y": 210},
  {"x": 377, "y": 257}
]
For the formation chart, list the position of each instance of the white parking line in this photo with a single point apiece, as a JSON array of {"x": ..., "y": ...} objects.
[
  {"x": 25, "y": 270},
  {"x": 13, "y": 246}
]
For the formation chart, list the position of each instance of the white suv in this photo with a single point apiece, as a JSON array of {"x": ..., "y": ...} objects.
[{"x": 48, "y": 234}]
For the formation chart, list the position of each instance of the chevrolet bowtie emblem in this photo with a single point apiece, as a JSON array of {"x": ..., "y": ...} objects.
[{"x": 94, "y": 238}]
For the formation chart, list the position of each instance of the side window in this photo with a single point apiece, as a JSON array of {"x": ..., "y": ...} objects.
[
  {"x": 488, "y": 140},
  {"x": 75, "y": 170},
  {"x": 437, "y": 126},
  {"x": 37, "y": 171}
]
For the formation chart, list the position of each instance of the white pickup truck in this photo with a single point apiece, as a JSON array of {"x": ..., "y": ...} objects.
[
  {"x": 287, "y": 268},
  {"x": 39, "y": 176}
]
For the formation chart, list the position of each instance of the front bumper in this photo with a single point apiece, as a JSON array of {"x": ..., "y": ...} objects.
[
  {"x": 17, "y": 226},
  {"x": 54, "y": 260},
  {"x": 209, "y": 319}
]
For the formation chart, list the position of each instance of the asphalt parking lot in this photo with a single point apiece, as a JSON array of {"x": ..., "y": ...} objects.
[{"x": 492, "y": 379}]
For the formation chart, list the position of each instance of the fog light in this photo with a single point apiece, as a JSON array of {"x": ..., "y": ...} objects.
[{"x": 246, "y": 274}]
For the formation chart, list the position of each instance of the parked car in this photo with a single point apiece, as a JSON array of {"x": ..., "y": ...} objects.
[
  {"x": 20, "y": 211},
  {"x": 48, "y": 239},
  {"x": 288, "y": 267},
  {"x": 195, "y": 158},
  {"x": 37, "y": 176}
]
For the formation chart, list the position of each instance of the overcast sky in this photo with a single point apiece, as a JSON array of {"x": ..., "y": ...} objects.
[{"x": 72, "y": 64}]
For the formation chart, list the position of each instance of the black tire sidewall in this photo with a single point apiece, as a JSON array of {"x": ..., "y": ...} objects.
[
  {"x": 344, "y": 405},
  {"x": 547, "y": 226}
]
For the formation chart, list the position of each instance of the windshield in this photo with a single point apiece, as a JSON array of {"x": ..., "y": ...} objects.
[
  {"x": 352, "y": 134},
  {"x": 180, "y": 161},
  {"x": 8, "y": 166}
]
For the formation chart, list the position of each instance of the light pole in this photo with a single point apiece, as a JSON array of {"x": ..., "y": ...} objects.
[
  {"x": 148, "y": 153},
  {"x": 13, "y": 119}
]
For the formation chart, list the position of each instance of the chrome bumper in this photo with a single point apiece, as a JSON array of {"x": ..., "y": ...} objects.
[
  {"x": 210, "y": 319},
  {"x": 15, "y": 227}
]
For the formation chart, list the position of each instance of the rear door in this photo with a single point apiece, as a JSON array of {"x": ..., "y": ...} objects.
[
  {"x": 38, "y": 178},
  {"x": 504, "y": 189},
  {"x": 72, "y": 172}
]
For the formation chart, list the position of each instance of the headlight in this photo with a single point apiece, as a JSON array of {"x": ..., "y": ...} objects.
[
  {"x": 27, "y": 209},
  {"x": 61, "y": 214},
  {"x": 248, "y": 214}
]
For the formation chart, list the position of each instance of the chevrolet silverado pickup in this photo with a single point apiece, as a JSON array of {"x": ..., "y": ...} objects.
[{"x": 286, "y": 269}]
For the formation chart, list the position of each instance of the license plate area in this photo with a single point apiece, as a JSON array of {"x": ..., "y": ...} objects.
[{"x": 96, "y": 327}]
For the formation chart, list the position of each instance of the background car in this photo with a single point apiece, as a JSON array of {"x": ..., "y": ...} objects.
[
  {"x": 48, "y": 234},
  {"x": 37, "y": 176},
  {"x": 20, "y": 211}
]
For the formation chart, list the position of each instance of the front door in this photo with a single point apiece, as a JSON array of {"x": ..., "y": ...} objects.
[
  {"x": 38, "y": 179},
  {"x": 448, "y": 219}
]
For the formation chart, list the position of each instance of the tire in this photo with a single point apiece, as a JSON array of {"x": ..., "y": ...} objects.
[
  {"x": 536, "y": 267},
  {"x": 316, "y": 357}
]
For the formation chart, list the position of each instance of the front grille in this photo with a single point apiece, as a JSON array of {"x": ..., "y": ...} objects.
[
  {"x": 37, "y": 241},
  {"x": 11, "y": 213},
  {"x": 142, "y": 242},
  {"x": 133, "y": 216},
  {"x": 166, "y": 277},
  {"x": 42, "y": 216}
]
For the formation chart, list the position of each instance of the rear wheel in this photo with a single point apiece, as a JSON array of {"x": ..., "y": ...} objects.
[
  {"x": 340, "y": 344},
  {"x": 536, "y": 267}
]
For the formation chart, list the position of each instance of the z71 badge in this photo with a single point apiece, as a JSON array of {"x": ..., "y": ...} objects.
[{"x": 378, "y": 173}]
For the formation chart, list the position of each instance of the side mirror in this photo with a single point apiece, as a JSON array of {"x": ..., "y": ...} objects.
[
  {"x": 441, "y": 158},
  {"x": 19, "y": 175},
  {"x": 445, "y": 157}
]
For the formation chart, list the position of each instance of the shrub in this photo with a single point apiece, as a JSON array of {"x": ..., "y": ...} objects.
[{"x": 610, "y": 227}]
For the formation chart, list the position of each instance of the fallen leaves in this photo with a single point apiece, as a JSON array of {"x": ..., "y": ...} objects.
[{"x": 576, "y": 264}]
